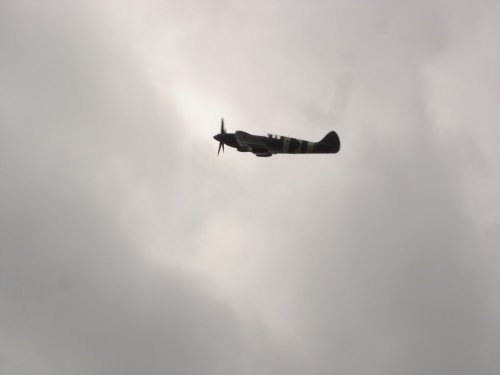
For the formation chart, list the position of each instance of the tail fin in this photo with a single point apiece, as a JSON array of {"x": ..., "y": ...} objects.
[{"x": 332, "y": 139}]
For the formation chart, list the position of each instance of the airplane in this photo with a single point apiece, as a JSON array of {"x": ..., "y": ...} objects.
[{"x": 263, "y": 146}]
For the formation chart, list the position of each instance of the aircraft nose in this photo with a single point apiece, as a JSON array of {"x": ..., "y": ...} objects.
[{"x": 217, "y": 137}]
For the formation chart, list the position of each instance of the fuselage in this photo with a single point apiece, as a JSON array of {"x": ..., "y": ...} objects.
[{"x": 275, "y": 144}]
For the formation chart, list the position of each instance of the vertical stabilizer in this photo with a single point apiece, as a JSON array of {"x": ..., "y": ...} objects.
[{"x": 332, "y": 140}]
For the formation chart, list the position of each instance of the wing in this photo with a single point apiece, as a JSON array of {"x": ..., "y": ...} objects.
[{"x": 253, "y": 143}]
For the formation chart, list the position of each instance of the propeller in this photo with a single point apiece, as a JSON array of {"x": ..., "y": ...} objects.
[{"x": 221, "y": 141}]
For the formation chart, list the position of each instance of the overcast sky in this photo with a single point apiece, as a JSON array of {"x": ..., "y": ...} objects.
[{"x": 128, "y": 247}]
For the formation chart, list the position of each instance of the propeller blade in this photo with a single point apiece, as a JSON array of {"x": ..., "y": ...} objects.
[{"x": 221, "y": 138}]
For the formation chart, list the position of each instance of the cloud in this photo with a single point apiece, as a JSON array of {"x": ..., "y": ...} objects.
[
  {"x": 85, "y": 152},
  {"x": 127, "y": 246}
]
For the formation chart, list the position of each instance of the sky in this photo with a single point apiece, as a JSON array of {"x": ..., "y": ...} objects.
[{"x": 127, "y": 246}]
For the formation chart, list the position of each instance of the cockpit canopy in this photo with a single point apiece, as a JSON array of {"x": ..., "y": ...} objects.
[{"x": 273, "y": 136}]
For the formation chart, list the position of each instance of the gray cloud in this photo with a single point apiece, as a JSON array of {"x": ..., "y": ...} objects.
[
  {"x": 127, "y": 246},
  {"x": 81, "y": 141}
]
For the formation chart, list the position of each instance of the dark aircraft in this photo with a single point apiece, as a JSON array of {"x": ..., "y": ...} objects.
[{"x": 274, "y": 144}]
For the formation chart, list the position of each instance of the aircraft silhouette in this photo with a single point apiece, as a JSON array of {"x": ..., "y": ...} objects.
[{"x": 274, "y": 144}]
